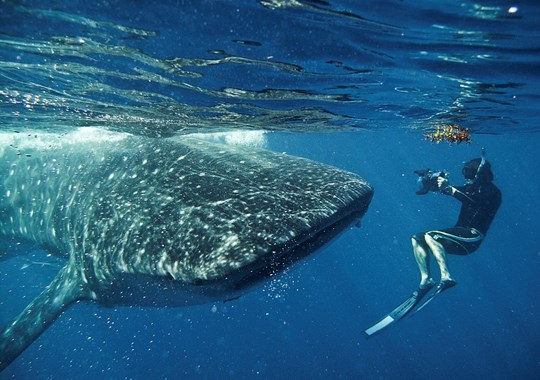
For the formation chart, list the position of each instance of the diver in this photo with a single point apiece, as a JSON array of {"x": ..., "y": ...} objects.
[{"x": 480, "y": 199}]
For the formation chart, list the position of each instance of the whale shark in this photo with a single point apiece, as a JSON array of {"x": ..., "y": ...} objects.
[{"x": 166, "y": 222}]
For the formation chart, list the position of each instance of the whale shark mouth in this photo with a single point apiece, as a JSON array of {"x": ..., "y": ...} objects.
[
  {"x": 284, "y": 254},
  {"x": 276, "y": 262}
]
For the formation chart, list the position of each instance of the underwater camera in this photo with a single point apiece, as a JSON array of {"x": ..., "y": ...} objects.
[{"x": 427, "y": 180}]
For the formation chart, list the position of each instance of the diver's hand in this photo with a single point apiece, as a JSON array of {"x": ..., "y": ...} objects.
[{"x": 444, "y": 186}]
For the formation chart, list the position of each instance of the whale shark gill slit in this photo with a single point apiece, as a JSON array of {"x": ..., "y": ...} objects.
[{"x": 162, "y": 222}]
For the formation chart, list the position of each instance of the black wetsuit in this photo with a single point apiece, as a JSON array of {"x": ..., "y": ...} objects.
[{"x": 480, "y": 202}]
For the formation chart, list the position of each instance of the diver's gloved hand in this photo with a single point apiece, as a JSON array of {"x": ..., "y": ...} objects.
[{"x": 444, "y": 186}]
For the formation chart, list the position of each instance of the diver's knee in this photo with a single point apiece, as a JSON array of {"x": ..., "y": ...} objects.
[{"x": 431, "y": 241}]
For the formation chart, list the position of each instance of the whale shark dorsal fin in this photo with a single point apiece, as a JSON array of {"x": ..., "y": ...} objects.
[{"x": 66, "y": 288}]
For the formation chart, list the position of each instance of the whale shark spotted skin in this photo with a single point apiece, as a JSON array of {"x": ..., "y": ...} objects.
[{"x": 161, "y": 222}]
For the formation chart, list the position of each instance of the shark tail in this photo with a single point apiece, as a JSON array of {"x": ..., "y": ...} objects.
[{"x": 65, "y": 289}]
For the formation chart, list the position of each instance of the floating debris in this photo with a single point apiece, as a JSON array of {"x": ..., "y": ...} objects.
[{"x": 451, "y": 133}]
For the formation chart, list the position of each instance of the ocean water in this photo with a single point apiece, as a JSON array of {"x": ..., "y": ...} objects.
[{"x": 349, "y": 83}]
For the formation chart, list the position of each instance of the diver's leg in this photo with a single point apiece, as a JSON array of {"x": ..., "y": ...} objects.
[
  {"x": 422, "y": 259},
  {"x": 440, "y": 256}
]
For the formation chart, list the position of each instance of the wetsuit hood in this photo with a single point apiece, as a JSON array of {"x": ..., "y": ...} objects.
[{"x": 473, "y": 170}]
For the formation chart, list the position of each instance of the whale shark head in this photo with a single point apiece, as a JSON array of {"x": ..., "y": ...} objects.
[{"x": 223, "y": 218}]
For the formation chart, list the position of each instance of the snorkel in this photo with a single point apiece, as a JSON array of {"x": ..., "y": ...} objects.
[
  {"x": 482, "y": 163},
  {"x": 479, "y": 168}
]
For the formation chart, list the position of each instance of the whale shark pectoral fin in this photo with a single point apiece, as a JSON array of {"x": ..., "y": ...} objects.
[{"x": 65, "y": 289}]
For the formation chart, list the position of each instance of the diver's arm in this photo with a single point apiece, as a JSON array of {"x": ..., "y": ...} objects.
[{"x": 447, "y": 189}]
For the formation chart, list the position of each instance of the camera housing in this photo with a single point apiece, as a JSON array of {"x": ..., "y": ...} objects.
[{"x": 427, "y": 180}]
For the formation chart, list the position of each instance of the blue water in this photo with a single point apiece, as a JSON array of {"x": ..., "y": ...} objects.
[{"x": 352, "y": 84}]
